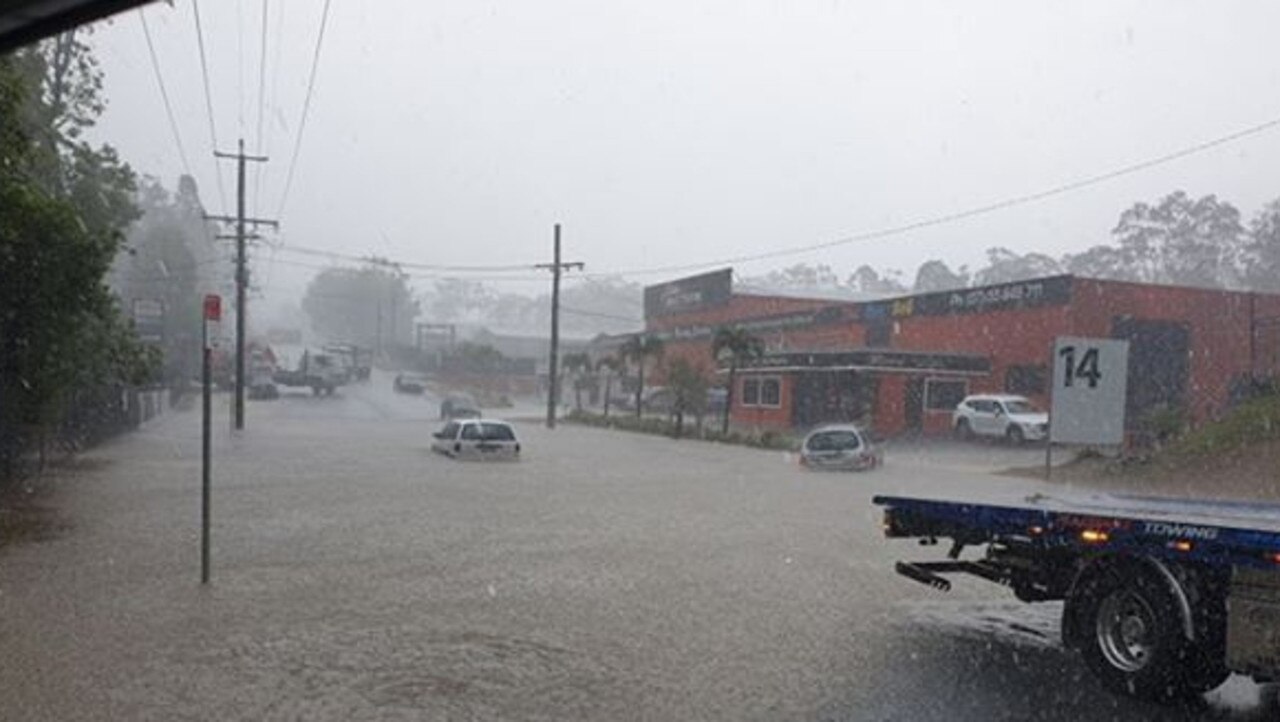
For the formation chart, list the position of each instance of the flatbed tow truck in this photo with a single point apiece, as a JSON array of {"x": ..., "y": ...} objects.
[{"x": 1163, "y": 598}]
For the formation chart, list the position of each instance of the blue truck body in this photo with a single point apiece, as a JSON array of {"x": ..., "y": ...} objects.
[{"x": 1163, "y": 597}]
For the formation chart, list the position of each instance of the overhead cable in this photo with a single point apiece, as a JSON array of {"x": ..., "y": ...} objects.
[{"x": 164, "y": 93}]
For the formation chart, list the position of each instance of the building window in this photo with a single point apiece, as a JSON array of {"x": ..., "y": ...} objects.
[
  {"x": 1026, "y": 380},
  {"x": 879, "y": 333},
  {"x": 770, "y": 392},
  {"x": 758, "y": 392},
  {"x": 943, "y": 395}
]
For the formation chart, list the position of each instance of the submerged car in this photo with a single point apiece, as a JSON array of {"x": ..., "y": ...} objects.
[
  {"x": 1000, "y": 416},
  {"x": 459, "y": 406},
  {"x": 410, "y": 383},
  {"x": 843, "y": 447},
  {"x": 477, "y": 439}
]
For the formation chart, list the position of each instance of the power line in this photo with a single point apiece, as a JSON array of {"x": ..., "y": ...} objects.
[
  {"x": 262, "y": 94},
  {"x": 964, "y": 214},
  {"x": 208, "y": 98},
  {"x": 423, "y": 276},
  {"x": 240, "y": 66},
  {"x": 596, "y": 314},
  {"x": 263, "y": 173},
  {"x": 316, "y": 252},
  {"x": 164, "y": 94},
  {"x": 306, "y": 107}
]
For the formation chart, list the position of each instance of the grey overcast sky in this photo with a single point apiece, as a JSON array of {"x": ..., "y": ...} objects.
[{"x": 662, "y": 132}]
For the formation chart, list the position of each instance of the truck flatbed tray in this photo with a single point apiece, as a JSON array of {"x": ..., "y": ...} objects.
[{"x": 1217, "y": 532}]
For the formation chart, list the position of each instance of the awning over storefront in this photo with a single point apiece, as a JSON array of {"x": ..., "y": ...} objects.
[{"x": 884, "y": 360}]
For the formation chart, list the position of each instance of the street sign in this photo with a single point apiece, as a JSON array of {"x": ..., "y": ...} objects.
[
  {"x": 148, "y": 319},
  {"x": 213, "y": 307},
  {"x": 1090, "y": 378},
  {"x": 212, "y": 319}
]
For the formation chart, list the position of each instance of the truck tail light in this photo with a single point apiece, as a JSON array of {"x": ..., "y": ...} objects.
[{"x": 1094, "y": 536}]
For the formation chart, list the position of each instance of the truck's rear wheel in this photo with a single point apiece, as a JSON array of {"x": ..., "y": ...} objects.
[{"x": 1131, "y": 634}]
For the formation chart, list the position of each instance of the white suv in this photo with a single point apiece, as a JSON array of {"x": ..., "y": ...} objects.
[
  {"x": 477, "y": 439},
  {"x": 1000, "y": 415}
]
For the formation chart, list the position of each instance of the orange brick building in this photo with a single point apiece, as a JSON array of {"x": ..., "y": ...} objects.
[{"x": 902, "y": 364}]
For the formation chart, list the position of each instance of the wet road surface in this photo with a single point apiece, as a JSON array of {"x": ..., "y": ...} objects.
[{"x": 357, "y": 576}]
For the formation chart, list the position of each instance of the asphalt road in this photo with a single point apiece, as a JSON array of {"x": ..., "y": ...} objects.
[{"x": 357, "y": 576}]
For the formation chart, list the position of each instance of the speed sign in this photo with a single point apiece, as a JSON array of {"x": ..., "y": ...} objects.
[{"x": 1089, "y": 384}]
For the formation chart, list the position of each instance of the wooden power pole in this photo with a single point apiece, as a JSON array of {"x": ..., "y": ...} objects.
[
  {"x": 553, "y": 381},
  {"x": 242, "y": 270}
]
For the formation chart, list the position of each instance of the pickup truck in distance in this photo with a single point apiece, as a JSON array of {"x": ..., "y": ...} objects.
[{"x": 1163, "y": 598}]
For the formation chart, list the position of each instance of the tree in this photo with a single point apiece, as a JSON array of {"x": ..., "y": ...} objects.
[
  {"x": 455, "y": 299},
  {"x": 1182, "y": 241},
  {"x": 688, "y": 385},
  {"x": 171, "y": 259},
  {"x": 369, "y": 306},
  {"x": 866, "y": 280},
  {"x": 575, "y": 364},
  {"x": 737, "y": 345},
  {"x": 1101, "y": 261},
  {"x": 1005, "y": 266},
  {"x": 934, "y": 275},
  {"x": 610, "y": 365},
  {"x": 480, "y": 357},
  {"x": 638, "y": 349},
  {"x": 63, "y": 206},
  {"x": 1262, "y": 252}
]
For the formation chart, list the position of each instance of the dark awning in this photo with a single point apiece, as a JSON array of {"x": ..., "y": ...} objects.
[{"x": 26, "y": 21}]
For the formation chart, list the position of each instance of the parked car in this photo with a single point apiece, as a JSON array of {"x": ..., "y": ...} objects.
[
  {"x": 477, "y": 439},
  {"x": 716, "y": 399},
  {"x": 410, "y": 383},
  {"x": 840, "y": 447},
  {"x": 658, "y": 400},
  {"x": 459, "y": 406},
  {"x": 1001, "y": 416}
]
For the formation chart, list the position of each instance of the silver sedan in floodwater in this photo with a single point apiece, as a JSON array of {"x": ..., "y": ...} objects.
[{"x": 842, "y": 447}]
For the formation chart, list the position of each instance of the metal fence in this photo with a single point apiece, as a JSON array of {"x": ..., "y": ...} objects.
[{"x": 91, "y": 416}]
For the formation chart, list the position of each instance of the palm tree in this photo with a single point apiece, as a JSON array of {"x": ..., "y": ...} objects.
[
  {"x": 638, "y": 349},
  {"x": 690, "y": 388},
  {"x": 575, "y": 364},
  {"x": 736, "y": 345},
  {"x": 610, "y": 365}
]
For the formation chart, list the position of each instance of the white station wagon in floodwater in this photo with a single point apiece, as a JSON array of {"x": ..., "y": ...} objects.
[
  {"x": 1001, "y": 416},
  {"x": 477, "y": 439}
]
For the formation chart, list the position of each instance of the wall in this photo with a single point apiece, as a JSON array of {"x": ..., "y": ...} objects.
[
  {"x": 1009, "y": 338},
  {"x": 763, "y": 417},
  {"x": 1219, "y": 323}
]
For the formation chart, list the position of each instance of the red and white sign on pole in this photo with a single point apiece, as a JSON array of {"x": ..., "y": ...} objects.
[{"x": 212, "y": 319}]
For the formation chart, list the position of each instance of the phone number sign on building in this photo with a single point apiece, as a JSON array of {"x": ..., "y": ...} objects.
[{"x": 1090, "y": 380}]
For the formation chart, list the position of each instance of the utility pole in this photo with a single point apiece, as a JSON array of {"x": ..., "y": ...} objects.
[
  {"x": 553, "y": 383},
  {"x": 242, "y": 270}
]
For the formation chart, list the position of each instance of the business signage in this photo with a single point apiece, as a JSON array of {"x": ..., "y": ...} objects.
[
  {"x": 686, "y": 295},
  {"x": 874, "y": 360},
  {"x": 1090, "y": 380},
  {"x": 830, "y": 315},
  {"x": 1002, "y": 297},
  {"x": 148, "y": 319}
]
